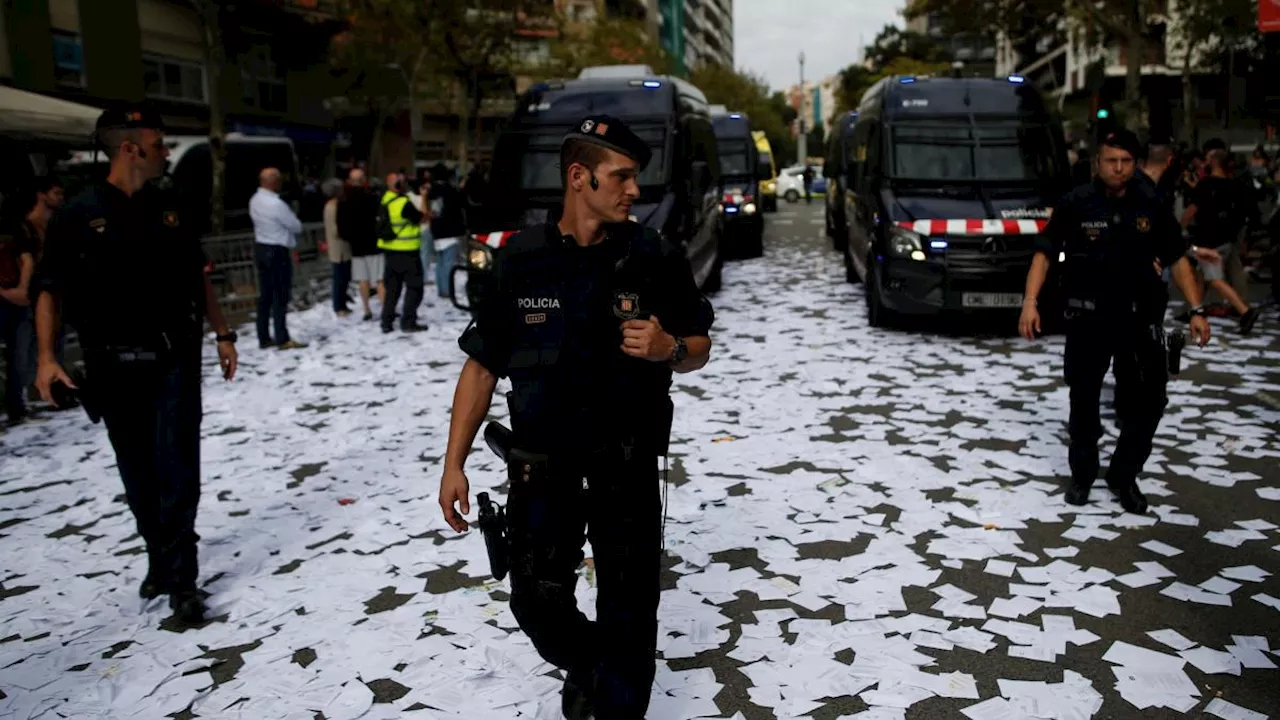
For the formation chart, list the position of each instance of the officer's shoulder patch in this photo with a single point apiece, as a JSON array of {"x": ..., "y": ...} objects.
[
  {"x": 1143, "y": 223},
  {"x": 170, "y": 218},
  {"x": 98, "y": 223}
]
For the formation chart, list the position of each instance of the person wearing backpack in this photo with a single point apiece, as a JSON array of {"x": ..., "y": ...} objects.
[{"x": 400, "y": 239}]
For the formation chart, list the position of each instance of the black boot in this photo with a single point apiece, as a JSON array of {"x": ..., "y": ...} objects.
[
  {"x": 575, "y": 699},
  {"x": 152, "y": 587},
  {"x": 1131, "y": 498},
  {"x": 188, "y": 606},
  {"x": 1077, "y": 494}
]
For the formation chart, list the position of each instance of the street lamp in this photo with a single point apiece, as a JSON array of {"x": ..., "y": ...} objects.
[{"x": 802, "y": 144}]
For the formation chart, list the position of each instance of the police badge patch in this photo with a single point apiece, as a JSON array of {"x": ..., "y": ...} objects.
[
  {"x": 1144, "y": 224},
  {"x": 587, "y": 125},
  {"x": 626, "y": 306}
]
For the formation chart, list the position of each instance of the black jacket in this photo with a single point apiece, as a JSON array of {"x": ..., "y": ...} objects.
[{"x": 358, "y": 221}]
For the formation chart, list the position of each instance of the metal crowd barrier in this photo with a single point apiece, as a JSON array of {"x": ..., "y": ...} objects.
[{"x": 235, "y": 276}]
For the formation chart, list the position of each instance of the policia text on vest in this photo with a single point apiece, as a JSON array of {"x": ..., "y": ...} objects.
[
  {"x": 589, "y": 318},
  {"x": 400, "y": 240}
]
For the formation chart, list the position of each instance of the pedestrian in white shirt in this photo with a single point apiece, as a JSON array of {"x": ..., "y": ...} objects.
[{"x": 275, "y": 230}]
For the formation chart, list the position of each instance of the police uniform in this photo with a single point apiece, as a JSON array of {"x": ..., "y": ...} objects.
[
  {"x": 1114, "y": 308},
  {"x": 552, "y": 324},
  {"x": 129, "y": 278}
]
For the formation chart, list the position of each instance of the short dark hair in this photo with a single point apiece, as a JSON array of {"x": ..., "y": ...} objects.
[
  {"x": 1159, "y": 153},
  {"x": 112, "y": 138},
  {"x": 586, "y": 154},
  {"x": 46, "y": 183}
]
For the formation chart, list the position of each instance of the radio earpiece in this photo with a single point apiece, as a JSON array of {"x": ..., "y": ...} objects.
[{"x": 595, "y": 184}]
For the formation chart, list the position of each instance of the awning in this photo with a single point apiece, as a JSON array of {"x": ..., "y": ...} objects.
[{"x": 32, "y": 115}]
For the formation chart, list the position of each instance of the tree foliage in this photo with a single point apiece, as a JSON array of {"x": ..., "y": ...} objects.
[
  {"x": 607, "y": 41},
  {"x": 893, "y": 43},
  {"x": 1025, "y": 23},
  {"x": 747, "y": 93}
]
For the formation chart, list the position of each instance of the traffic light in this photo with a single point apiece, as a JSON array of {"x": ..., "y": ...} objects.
[{"x": 1103, "y": 113}]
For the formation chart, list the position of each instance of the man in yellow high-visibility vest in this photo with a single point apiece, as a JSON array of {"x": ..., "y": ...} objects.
[{"x": 400, "y": 241}]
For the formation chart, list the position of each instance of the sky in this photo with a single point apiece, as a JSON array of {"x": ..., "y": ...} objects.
[{"x": 768, "y": 35}]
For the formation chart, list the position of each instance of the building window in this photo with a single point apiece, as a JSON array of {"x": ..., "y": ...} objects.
[
  {"x": 172, "y": 79},
  {"x": 68, "y": 59},
  {"x": 262, "y": 82}
]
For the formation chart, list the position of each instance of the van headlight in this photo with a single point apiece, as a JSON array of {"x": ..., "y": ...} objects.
[
  {"x": 749, "y": 208},
  {"x": 479, "y": 256},
  {"x": 904, "y": 242}
]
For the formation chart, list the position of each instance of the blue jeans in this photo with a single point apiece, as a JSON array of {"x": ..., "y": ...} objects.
[
  {"x": 444, "y": 260},
  {"x": 341, "y": 281},
  {"x": 275, "y": 287}
]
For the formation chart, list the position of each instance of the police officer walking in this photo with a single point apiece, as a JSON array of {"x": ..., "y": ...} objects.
[
  {"x": 121, "y": 267},
  {"x": 1113, "y": 236},
  {"x": 589, "y": 317},
  {"x": 401, "y": 245}
]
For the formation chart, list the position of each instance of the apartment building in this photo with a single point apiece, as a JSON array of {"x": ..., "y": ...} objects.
[{"x": 696, "y": 32}]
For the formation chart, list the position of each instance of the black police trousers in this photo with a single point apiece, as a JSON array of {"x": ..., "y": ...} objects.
[
  {"x": 1093, "y": 343},
  {"x": 614, "y": 503},
  {"x": 152, "y": 412},
  {"x": 403, "y": 271}
]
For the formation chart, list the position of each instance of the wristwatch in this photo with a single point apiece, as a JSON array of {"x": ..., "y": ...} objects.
[
  {"x": 230, "y": 337},
  {"x": 679, "y": 353},
  {"x": 1198, "y": 310}
]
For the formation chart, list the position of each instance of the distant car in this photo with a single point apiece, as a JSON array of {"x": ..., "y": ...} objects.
[{"x": 791, "y": 183}]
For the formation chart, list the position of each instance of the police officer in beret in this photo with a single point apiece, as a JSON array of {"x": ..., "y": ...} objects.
[
  {"x": 588, "y": 317},
  {"x": 1111, "y": 240},
  {"x": 121, "y": 267}
]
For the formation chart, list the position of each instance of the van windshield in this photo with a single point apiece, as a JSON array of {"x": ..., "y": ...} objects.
[
  {"x": 990, "y": 152},
  {"x": 531, "y": 161},
  {"x": 734, "y": 157}
]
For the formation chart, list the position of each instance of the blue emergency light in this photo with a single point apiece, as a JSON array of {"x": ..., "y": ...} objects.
[
  {"x": 938, "y": 244},
  {"x": 1017, "y": 79},
  {"x": 735, "y": 116},
  {"x": 907, "y": 80},
  {"x": 652, "y": 83}
]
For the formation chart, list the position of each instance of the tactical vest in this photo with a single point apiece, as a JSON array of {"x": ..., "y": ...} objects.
[
  {"x": 534, "y": 300},
  {"x": 408, "y": 234}
]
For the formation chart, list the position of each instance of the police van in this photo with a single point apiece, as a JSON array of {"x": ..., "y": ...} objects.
[
  {"x": 741, "y": 171},
  {"x": 190, "y": 174},
  {"x": 833, "y": 169},
  {"x": 679, "y": 189},
  {"x": 948, "y": 180}
]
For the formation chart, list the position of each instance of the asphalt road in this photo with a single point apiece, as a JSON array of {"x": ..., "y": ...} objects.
[{"x": 844, "y": 472}]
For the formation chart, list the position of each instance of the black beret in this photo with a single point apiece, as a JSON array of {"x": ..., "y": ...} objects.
[
  {"x": 1123, "y": 140},
  {"x": 610, "y": 132},
  {"x": 129, "y": 116}
]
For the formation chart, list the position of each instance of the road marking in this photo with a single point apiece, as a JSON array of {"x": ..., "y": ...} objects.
[{"x": 780, "y": 221}]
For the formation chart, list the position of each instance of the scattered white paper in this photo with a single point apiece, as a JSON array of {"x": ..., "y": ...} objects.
[
  {"x": 1172, "y": 638},
  {"x": 1002, "y": 568},
  {"x": 1231, "y": 711},
  {"x": 1160, "y": 548}
]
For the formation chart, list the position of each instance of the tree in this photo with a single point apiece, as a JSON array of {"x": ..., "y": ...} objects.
[
  {"x": 1208, "y": 27},
  {"x": 747, "y": 93},
  {"x": 607, "y": 41},
  {"x": 1024, "y": 23},
  {"x": 386, "y": 54},
  {"x": 893, "y": 43},
  {"x": 215, "y": 60},
  {"x": 480, "y": 40}
]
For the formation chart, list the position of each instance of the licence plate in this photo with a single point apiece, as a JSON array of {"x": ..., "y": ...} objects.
[{"x": 991, "y": 300}]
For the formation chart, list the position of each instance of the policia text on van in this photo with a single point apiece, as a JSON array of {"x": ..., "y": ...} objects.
[
  {"x": 678, "y": 188},
  {"x": 948, "y": 183}
]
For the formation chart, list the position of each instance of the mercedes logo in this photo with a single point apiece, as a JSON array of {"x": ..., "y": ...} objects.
[{"x": 994, "y": 246}]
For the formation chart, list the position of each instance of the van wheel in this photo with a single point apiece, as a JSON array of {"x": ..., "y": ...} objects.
[
  {"x": 878, "y": 316},
  {"x": 850, "y": 272},
  {"x": 792, "y": 196}
]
